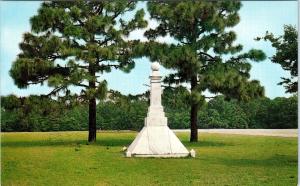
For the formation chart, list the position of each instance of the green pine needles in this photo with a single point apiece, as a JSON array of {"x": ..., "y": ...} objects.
[
  {"x": 73, "y": 43},
  {"x": 89, "y": 37},
  {"x": 203, "y": 35}
]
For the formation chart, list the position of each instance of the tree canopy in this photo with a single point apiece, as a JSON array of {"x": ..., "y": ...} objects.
[
  {"x": 286, "y": 55},
  {"x": 73, "y": 43},
  {"x": 204, "y": 54}
]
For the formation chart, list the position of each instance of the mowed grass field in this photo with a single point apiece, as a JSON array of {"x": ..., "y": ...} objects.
[{"x": 64, "y": 158}]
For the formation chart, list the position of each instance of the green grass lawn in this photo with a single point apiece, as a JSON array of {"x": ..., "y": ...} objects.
[{"x": 63, "y": 158}]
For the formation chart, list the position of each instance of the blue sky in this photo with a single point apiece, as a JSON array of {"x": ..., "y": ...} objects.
[{"x": 256, "y": 18}]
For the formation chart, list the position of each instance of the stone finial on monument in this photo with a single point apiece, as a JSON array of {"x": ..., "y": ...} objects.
[{"x": 156, "y": 139}]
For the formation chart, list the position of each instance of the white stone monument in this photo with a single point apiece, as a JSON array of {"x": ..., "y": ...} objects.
[{"x": 156, "y": 139}]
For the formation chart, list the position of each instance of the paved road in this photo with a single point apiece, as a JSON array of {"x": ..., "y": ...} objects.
[{"x": 255, "y": 132}]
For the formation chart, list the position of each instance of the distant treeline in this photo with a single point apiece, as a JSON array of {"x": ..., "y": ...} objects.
[{"x": 119, "y": 112}]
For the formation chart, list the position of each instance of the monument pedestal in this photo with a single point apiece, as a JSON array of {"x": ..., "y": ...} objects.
[{"x": 156, "y": 139}]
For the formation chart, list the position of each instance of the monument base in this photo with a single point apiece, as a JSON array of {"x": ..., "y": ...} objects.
[{"x": 157, "y": 141}]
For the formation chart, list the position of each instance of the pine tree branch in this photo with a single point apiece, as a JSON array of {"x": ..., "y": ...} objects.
[
  {"x": 185, "y": 43},
  {"x": 81, "y": 85},
  {"x": 53, "y": 57},
  {"x": 104, "y": 41},
  {"x": 99, "y": 10},
  {"x": 207, "y": 55},
  {"x": 54, "y": 91},
  {"x": 81, "y": 23},
  {"x": 41, "y": 80},
  {"x": 210, "y": 97},
  {"x": 115, "y": 66},
  {"x": 81, "y": 66},
  {"x": 116, "y": 14}
]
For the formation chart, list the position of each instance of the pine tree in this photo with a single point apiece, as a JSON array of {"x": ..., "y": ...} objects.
[
  {"x": 286, "y": 55},
  {"x": 203, "y": 37},
  {"x": 73, "y": 43}
]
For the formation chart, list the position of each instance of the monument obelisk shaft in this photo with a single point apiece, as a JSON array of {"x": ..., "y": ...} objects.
[{"x": 156, "y": 115}]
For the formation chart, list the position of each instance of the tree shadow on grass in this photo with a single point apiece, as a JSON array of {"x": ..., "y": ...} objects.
[
  {"x": 41, "y": 143},
  {"x": 66, "y": 142},
  {"x": 114, "y": 142},
  {"x": 101, "y": 141},
  {"x": 205, "y": 144},
  {"x": 275, "y": 160}
]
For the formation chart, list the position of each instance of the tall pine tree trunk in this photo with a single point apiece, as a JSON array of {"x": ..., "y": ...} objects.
[
  {"x": 92, "y": 110},
  {"x": 194, "y": 113},
  {"x": 92, "y": 120}
]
